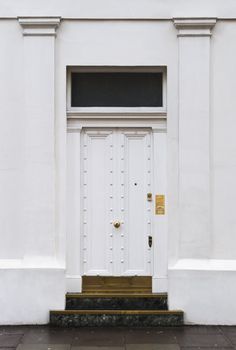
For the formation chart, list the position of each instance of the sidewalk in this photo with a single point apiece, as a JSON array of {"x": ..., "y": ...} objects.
[{"x": 182, "y": 338}]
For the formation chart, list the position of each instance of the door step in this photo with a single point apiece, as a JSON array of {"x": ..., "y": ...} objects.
[
  {"x": 107, "y": 284},
  {"x": 128, "y": 310},
  {"x": 116, "y": 318},
  {"x": 111, "y": 301}
]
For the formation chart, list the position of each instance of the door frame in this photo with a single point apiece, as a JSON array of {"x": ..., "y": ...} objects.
[{"x": 75, "y": 124}]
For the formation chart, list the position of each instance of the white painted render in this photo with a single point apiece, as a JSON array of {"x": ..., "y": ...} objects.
[{"x": 195, "y": 41}]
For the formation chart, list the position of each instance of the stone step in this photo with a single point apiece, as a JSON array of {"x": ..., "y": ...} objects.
[
  {"x": 111, "y": 301},
  {"x": 115, "y": 284},
  {"x": 116, "y": 318}
]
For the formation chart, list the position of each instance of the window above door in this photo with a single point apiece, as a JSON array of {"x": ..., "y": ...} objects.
[{"x": 116, "y": 90}]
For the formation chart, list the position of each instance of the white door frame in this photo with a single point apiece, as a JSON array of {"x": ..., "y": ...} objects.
[{"x": 160, "y": 232}]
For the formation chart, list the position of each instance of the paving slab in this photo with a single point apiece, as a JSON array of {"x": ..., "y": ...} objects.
[
  {"x": 100, "y": 337},
  {"x": 197, "y": 330},
  {"x": 203, "y": 340},
  {"x": 151, "y": 336},
  {"x": 152, "y": 347},
  {"x": 205, "y": 348},
  {"x": 147, "y": 338},
  {"x": 13, "y": 329},
  {"x": 43, "y": 347},
  {"x": 47, "y": 335},
  {"x": 97, "y": 348},
  {"x": 9, "y": 340}
]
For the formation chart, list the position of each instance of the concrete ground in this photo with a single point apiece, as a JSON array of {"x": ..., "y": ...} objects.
[{"x": 182, "y": 338}]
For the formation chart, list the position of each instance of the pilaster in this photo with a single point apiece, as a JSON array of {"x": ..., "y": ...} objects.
[
  {"x": 39, "y": 26},
  {"x": 194, "y": 135},
  {"x": 39, "y": 177}
]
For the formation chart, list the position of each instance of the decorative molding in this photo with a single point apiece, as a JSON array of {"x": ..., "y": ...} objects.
[
  {"x": 115, "y": 113},
  {"x": 194, "y": 26},
  {"x": 76, "y": 125},
  {"x": 39, "y": 26},
  {"x": 159, "y": 128},
  {"x": 74, "y": 128}
]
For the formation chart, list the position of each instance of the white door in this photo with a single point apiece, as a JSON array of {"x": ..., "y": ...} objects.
[{"x": 116, "y": 177}]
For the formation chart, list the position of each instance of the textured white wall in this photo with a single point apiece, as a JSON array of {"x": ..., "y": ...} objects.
[
  {"x": 121, "y": 8},
  {"x": 223, "y": 140},
  {"x": 197, "y": 282},
  {"x": 12, "y": 125},
  {"x": 28, "y": 246},
  {"x": 113, "y": 43}
]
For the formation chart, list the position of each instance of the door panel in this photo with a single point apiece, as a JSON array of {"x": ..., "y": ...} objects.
[
  {"x": 137, "y": 181},
  {"x": 97, "y": 181},
  {"x": 116, "y": 177}
]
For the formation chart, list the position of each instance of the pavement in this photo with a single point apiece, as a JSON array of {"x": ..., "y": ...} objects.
[{"x": 168, "y": 338}]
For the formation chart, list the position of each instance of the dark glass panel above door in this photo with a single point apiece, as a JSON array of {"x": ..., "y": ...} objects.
[{"x": 116, "y": 89}]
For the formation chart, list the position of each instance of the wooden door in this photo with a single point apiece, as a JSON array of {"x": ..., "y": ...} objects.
[{"x": 116, "y": 167}]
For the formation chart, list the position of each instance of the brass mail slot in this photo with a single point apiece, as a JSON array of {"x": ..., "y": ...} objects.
[{"x": 160, "y": 204}]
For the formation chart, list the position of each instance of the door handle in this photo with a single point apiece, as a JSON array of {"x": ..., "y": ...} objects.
[{"x": 116, "y": 224}]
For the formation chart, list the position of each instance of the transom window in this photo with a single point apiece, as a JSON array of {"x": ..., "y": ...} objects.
[{"x": 116, "y": 88}]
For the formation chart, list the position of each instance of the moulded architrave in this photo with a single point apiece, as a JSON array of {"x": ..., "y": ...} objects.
[
  {"x": 107, "y": 112},
  {"x": 160, "y": 284},
  {"x": 74, "y": 127},
  {"x": 160, "y": 222},
  {"x": 73, "y": 283},
  {"x": 76, "y": 124},
  {"x": 73, "y": 239}
]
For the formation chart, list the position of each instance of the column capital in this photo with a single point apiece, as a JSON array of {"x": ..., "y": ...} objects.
[
  {"x": 39, "y": 26},
  {"x": 194, "y": 26}
]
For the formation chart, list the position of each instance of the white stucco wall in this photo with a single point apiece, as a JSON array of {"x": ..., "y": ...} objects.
[
  {"x": 33, "y": 150},
  {"x": 12, "y": 141},
  {"x": 121, "y": 9},
  {"x": 223, "y": 141},
  {"x": 32, "y": 279}
]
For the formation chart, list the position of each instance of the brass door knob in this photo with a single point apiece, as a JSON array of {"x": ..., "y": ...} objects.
[{"x": 116, "y": 224}]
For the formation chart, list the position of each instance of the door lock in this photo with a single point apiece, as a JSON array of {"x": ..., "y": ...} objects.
[{"x": 150, "y": 241}]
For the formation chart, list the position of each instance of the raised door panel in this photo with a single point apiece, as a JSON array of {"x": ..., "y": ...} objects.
[
  {"x": 97, "y": 201},
  {"x": 136, "y": 176}
]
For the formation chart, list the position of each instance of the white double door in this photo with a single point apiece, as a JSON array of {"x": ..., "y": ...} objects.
[{"x": 116, "y": 225}]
